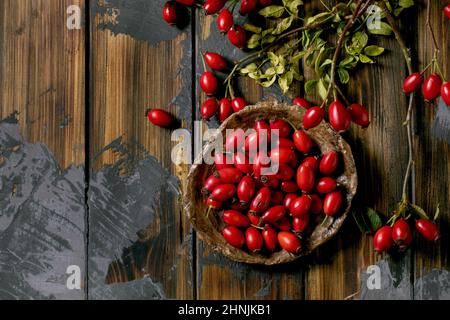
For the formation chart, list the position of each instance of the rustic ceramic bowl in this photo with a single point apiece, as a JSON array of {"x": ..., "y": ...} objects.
[{"x": 209, "y": 228}]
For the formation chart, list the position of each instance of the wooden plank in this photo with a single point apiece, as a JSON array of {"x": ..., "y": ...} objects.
[
  {"x": 432, "y": 157},
  {"x": 381, "y": 159},
  {"x": 218, "y": 277},
  {"x": 42, "y": 195},
  {"x": 138, "y": 230}
]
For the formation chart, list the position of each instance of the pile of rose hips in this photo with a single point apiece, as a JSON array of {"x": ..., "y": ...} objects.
[
  {"x": 339, "y": 116},
  {"x": 432, "y": 86},
  {"x": 399, "y": 234},
  {"x": 266, "y": 211}
]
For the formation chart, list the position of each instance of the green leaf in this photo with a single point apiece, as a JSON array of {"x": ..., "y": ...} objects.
[
  {"x": 297, "y": 56},
  {"x": 365, "y": 59},
  {"x": 405, "y": 3},
  {"x": 253, "y": 42},
  {"x": 254, "y": 75},
  {"x": 419, "y": 211},
  {"x": 274, "y": 59},
  {"x": 379, "y": 28},
  {"x": 272, "y": 11},
  {"x": 283, "y": 25},
  {"x": 292, "y": 5},
  {"x": 252, "y": 28},
  {"x": 285, "y": 81},
  {"x": 373, "y": 51},
  {"x": 270, "y": 82},
  {"x": 344, "y": 77},
  {"x": 310, "y": 86},
  {"x": 348, "y": 62},
  {"x": 374, "y": 219},
  {"x": 436, "y": 214},
  {"x": 359, "y": 41},
  {"x": 268, "y": 39},
  {"x": 249, "y": 68},
  {"x": 321, "y": 89},
  {"x": 318, "y": 17}
]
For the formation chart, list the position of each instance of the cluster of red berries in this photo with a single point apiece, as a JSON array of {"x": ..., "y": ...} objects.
[
  {"x": 266, "y": 211},
  {"x": 339, "y": 116},
  {"x": 209, "y": 84},
  {"x": 400, "y": 235},
  {"x": 432, "y": 86}
]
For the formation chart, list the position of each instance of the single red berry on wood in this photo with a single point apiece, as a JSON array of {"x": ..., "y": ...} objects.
[
  {"x": 160, "y": 118},
  {"x": 248, "y": 6},
  {"x": 359, "y": 115},
  {"x": 339, "y": 116},
  {"x": 209, "y": 108},
  {"x": 445, "y": 93},
  {"x": 225, "y": 20},
  {"x": 208, "y": 83},
  {"x": 412, "y": 83},
  {"x": 301, "y": 103},
  {"x": 447, "y": 11},
  {"x": 213, "y": 6},
  {"x": 238, "y": 104},
  {"x": 401, "y": 234},
  {"x": 382, "y": 241},
  {"x": 215, "y": 61},
  {"x": 170, "y": 12},
  {"x": 237, "y": 36},
  {"x": 428, "y": 229},
  {"x": 289, "y": 242},
  {"x": 313, "y": 117},
  {"x": 432, "y": 87},
  {"x": 234, "y": 236}
]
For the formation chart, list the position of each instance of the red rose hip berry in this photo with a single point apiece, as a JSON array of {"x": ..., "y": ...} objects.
[
  {"x": 300, "y": 224},
  {"x": 432, "y": 87},
  {"x": 382, "y": 241},
  {"x": 170, "y": 12},
  {"x": 300, "y": 207},
  {"x": 313, "y": 117},
  {"x": 359, "y": 115},
  {"x": 247, "y": 6},
  {"x": 208, "y": 83},
  {"x": 339, "y": 116},
  {"x": 237, "y": 36},
  {"x": 229, "y": 175},
  {"x": 428, "y": 229},
  {"x": 224, "y": 20},
  {"x": 223, "y": 192},
  {"x": 235, "y": 219},
  {"x": 445, "y": 93},
  {"x": 289, "y": 242},
  {"x": 246, "y": 189},
  {"x": 209, "y": 108},
  {"x": 261, "y": 201},
  {"x": 273, "y": 214},
  {"x": 302, "y": 141},
  {"x": 234, "y": 237},
  {"x": 329, "y": 163},
  {"x": 326, "y": 185},
  {"x": 238, "y": 104},
  {"x": 301, "y": 103},
  {"x": 401, "y": 234},
  {"x": 332, "y": 203},
  {"x": 254, "y": 239},
  {"x": 305, "y": 178},
  {"x": 215, "y": 61},
  {"x": 270, "y": 238},
  {"x": 213, "y": 6},
  {"x": 160, "y": 118},
  {"x": 412, "y": 83}
]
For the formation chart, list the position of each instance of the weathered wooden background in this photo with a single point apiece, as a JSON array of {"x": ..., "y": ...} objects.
[{"x": 79, "y": 99}]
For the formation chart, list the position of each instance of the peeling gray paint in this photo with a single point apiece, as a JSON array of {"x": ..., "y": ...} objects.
[
  {"x": 432, "y": 286},
  {"x": 121, "y": 206},
  {"x": 441, "y": 125},
  {"x": 42, "y": 220}
]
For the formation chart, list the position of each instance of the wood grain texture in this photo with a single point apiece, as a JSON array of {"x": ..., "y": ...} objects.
[
  {"x": 432, "y": 155},
  {"x": 42, "y": 74},
  {"x": 128, "y": 77}
]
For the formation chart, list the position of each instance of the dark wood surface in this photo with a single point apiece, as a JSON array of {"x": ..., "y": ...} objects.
[{"x": 136, "y": 62}]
